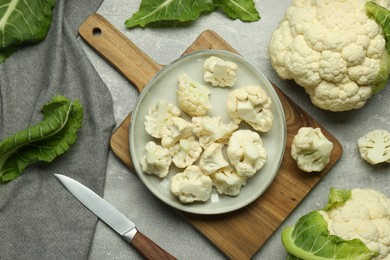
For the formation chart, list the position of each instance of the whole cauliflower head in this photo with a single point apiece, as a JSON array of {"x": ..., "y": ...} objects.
[
  {"x": 212, "y": 159},
  {"x": 191, "y": 185},
  {"x": 251, "y": 104},
  {"x": 175, "y": 129},
  {"x": 374, "y": 147},
  {"x": 156, "y": 160},
  {"x": 193, "y": 97},
  {"x": 212, "y": 130},
  {"x": 158, "y": 116},
  {"x": 227, "y": 181},
  {"x": 246, "y": 152},
  {"x": 365, "y": 216},
  {"x": 311, "y": 149},
  {"x": 334, "y": 50},
  {"x": 185, "y": 152},
  {"x": 219, "y": 73}
]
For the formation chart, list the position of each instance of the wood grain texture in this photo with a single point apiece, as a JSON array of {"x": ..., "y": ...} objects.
[
  {"x": 148, "y": 249},
  {"x": 240, "y": 234}
]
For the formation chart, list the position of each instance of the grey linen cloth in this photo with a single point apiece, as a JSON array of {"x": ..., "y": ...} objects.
[{"x": 39, "y": 219}]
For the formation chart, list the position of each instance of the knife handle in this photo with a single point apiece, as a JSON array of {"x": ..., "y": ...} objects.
[{"x": 148, "y": 249}]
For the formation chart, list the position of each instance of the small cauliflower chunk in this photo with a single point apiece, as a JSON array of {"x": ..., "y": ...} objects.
[
  {"x": 374, "y": 147},
  {"x": 177, "y": 128},
  {"x": 185, "y": 152},
  {"x": 156, "y": 160},
  {"x": 219, "y": 73},
  {"x": 246, "y": 152},
  {"x": 158, "y": 116},
  {"x": 212, "y": 159},
  {"x": 365, "y": 216},
  {"x": 191, "y": 185},
  {"x": 311, "y": 149},
  {"x": 227, "y": 181},
  {"x": 334, "y": 50},
  {"x": 212, "y": 130},
  {"x": 251, "y": 104},
  {"x": 193, "y": 97}
]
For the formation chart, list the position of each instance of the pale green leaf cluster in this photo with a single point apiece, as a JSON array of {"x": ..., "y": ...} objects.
[
  {"x": 172, "y": 12},
  {"x": 23, "y": 22},
  {"x": 44, "y": 141}
]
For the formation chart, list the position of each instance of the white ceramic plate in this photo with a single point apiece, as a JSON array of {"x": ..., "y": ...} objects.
[{"x": 163, "y": 86}]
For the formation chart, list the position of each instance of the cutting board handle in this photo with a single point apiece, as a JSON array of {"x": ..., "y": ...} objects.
[{"x": 118, "y": 50}]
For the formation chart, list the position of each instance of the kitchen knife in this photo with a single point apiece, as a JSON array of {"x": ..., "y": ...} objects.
[{"x": 113, "y": 218}]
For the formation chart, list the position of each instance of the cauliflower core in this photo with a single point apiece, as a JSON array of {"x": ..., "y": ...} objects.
[
  {"x": 158, "y": 116},
  {"x": 333, "y": 50},
  {"x": 185, "y": 152},
  {"x": 191, "y": 185},
  {"x": 311, "y": 149},
  {"x": 212, "y": 130},
  {"x": 365, "y": 216},
  {"x": 374, "y": 147},
  {"x": 246, "y": 152},
  {"x": 227, "y": 181},
  {"x": 251, "y": 104},
  {"x": 193, "y": 97},
  {"x": 156, "y": 160},
  {"x": 219, "y": 73}
]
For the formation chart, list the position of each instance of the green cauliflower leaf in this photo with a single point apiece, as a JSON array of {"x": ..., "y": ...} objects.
[
  {"x": 23, "y": 22},
  {"x": 44, "y": 141},
  {"x": 244, "y": 10}
]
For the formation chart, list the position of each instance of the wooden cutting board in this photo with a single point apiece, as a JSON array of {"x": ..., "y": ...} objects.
[{"x": 239, "y": 234}]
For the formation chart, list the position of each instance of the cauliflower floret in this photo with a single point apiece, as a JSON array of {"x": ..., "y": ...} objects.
[
  {"x": 374, "y": 147},
  {"x": 365, "y": 216},
  {"x": 219, "y": 73},
  {"x": 156, "y": 160},
  {"x": 246, "y": 152},
  {"x": 212, "y": 130},
  {"x": 193, "y": 97},
  {"x": 185, "y": 152},
  {"x": 191, "y": 185},
  {"x": 311, "y": 149},
  {"x": 333, "y": 49},
  {"x": 177, "y": 128},
  {"x": 212, "y": 159},
  {"x": 251, "y": 104},
  {"x": 158, "y": 116},
  {"x": 227, "y": 181}
]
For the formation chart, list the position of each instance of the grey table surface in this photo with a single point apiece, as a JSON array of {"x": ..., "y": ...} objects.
[{"x": 163, "y": 224}]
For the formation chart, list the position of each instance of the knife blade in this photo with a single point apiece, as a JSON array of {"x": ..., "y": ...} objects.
[{"x": 114, "y": 219}]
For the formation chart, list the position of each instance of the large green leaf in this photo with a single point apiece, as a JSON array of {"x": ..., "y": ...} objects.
[
  {"x": 23, "y": 22},
  {"x": 152, "y": 11},
  {"x": 309, "y": 239},
  {"x": 244, "y": 10},
  {"x": 44, "y": 141}
]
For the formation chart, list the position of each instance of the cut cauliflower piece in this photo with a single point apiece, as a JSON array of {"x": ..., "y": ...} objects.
[
  {"x": 212, "y": 159},
  {"x": 365, "y": 216},
  {"x": 191, "y": 185},
  {"x": 156, "y": 160},
  {"x": 193, "y": 97},
  {"x": 251, "y": 104},
  {"x": 212, "y": 130},
  {"x": 311, "y": 149},
  {"x": 246, "y": 152},
  {"x": 158, "y": 116},
  {"x": 227, "y": 181},
  {"x": 185, "y": 152},
  {"x": 374, "y": 147},
  {"x": 334, "y": 50},
  {"x": 177, "y": 128},
  {"x": 219, "y": 73}
]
